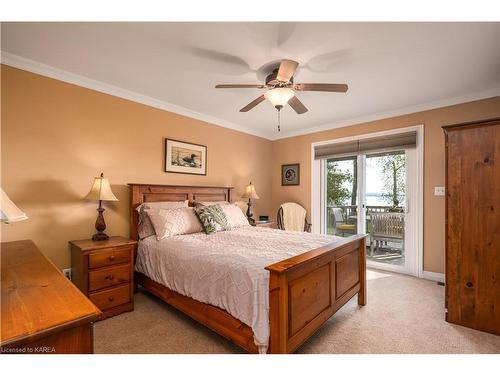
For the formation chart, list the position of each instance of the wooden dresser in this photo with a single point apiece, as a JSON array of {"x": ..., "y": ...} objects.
[
  {"x": 473, "y": 225},
  {"x": 42, "y": 311},
  {"x": 103, "y": 270}
]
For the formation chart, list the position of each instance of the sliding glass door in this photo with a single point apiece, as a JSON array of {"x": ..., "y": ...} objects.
[
  {"x": 385, "y": 207},
  {"x": 374, "y": 193}
]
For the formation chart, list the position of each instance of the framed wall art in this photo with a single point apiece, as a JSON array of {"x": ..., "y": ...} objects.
[
  {"x": 183, "y": 157},
  {"x": 290, "y": 174}
]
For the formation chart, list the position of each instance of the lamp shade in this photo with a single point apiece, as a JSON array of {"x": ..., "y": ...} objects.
[
  {"x": 101, "y": 191},
  {"x": 250, "y": 192},
  {"x": 279, "y": 96},
  {"x": 9, "y": 211}
]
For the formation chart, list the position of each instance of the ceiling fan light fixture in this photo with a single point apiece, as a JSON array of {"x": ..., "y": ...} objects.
[
  {"x": 279, "y": 96},
  {"x": 281, "y": 89}
]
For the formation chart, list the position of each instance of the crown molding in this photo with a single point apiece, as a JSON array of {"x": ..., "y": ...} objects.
[
  {"x": 89, "y": 83},
  {"x": 394, "y": 113}
]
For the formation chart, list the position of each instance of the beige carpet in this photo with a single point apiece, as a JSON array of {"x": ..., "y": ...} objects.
[{"x": 403, "y": 315}]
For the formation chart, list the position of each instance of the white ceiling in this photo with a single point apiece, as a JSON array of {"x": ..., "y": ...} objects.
[{"x": 390, "y": 68}]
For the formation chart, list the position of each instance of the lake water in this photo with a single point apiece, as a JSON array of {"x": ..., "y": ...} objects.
[{"x": 375, "y": 199}]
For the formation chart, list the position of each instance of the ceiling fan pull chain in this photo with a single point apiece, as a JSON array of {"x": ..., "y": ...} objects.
[{"x": 279, "y": 120}]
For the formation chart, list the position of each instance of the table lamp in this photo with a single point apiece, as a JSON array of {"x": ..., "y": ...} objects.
[
  {"x": 10, "y": 213},
  {"x": 100, "y": 191},
  {"x": 250, "y": 193}
]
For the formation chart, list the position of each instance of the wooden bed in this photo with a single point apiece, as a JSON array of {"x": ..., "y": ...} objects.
[{"x": 304, "y": 291}]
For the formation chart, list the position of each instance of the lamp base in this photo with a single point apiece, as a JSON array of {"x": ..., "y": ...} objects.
[
  {"x": 100, "y": 237},
  {"x": 100, "y": 226},
  {"x": 250, "y": 213}
]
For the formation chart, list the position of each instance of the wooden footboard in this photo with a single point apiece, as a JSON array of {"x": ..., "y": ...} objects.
[{"x": 306, "y": 290}]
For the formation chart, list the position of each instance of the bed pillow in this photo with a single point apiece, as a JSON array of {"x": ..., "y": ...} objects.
[
  {"x": 144, "y": 226},
  {"x": 212, "y": 218},
  {"x": 235, "y": 216},
  {"x": 164, "y": 205},
  {"x": 173, "y": 222}
]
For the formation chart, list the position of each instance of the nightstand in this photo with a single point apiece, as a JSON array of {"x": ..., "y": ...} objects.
[
  {"x": 103, "y": 271},
  {"x": 265, "y": 224}
]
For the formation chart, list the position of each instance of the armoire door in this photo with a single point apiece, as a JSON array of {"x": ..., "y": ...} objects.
[{"x": 473, "y": 225}]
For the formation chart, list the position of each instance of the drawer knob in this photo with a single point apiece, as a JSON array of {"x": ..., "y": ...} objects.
[
  {"x": 111, "y": 257},
  {"x": 111, "y": 299},
  {"x": 109, "y": 277}
]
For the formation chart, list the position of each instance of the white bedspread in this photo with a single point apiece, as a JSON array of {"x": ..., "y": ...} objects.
[{"x": 226, "y": 269}]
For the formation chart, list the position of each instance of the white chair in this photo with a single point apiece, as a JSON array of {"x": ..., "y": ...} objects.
[{"x": 296, "y": 209}]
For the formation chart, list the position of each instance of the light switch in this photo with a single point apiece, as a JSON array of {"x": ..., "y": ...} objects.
[{"x": 439, "y": 190}]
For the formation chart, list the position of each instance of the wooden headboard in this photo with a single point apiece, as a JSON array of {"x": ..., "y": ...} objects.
[{"x": 140, "y": 193}]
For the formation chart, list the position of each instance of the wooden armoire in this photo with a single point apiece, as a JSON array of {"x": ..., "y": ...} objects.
[{"x": 473, "y": 225}]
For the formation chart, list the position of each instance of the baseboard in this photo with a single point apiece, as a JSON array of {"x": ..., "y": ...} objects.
[{"x": 434, "y": 276}]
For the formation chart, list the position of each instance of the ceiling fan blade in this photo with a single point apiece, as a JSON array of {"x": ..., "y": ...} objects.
[
  {"x": 249, "y": 106},
  {"x": 286, "y": 70},
  {"x": 240, "y": 86},
  {"x": 329, "y": 87},
  {"x": 297, "y": 105}
]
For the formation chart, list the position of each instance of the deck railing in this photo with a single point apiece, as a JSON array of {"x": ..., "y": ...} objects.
[
  {"x": 349, "y": 214},
  {"x": 385, "y": 226}
]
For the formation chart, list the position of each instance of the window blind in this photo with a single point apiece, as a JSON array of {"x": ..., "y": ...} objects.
[{"x": 384, "y": 143}]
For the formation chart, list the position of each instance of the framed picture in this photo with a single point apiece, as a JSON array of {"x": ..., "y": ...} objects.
[
  {"x": 183, "y": 157},
  {"x": 290, "y": 174}
]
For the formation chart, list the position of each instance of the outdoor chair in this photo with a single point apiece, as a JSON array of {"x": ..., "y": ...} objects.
[
  {"x": 340, "y": 222},
  {"x": 386, "y": 227}
]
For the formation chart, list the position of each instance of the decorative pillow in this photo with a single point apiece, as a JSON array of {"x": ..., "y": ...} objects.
[
  {"x": 235, "y": 216},
  {"x": 144, "y": 227},
  {"x": 207, "y": 203},
  {"x": 212, "y": 218},
  {"x": 173, "y": 222}
]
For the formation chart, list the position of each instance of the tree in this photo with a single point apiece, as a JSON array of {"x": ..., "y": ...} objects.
[
  {"x": 393, "y": 177},
  {"x": 337, "y": 192}
]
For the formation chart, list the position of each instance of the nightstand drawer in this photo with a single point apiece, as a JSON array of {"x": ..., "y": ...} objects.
[
  {"x": 110, "y": 256},
  {"x": 108, "y": 277},
  {"x": 107, "y": 299}
]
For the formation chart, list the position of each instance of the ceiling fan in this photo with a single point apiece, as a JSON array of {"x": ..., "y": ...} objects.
[{"x": 281, "y": 89}]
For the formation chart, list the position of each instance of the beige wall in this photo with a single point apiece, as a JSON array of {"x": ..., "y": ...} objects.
[
  {"x": 298, "y": 149},
  {"x": 56, "y": 137}
]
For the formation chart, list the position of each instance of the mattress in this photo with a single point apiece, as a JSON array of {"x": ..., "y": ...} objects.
[{"x": 226, "y": 269}]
